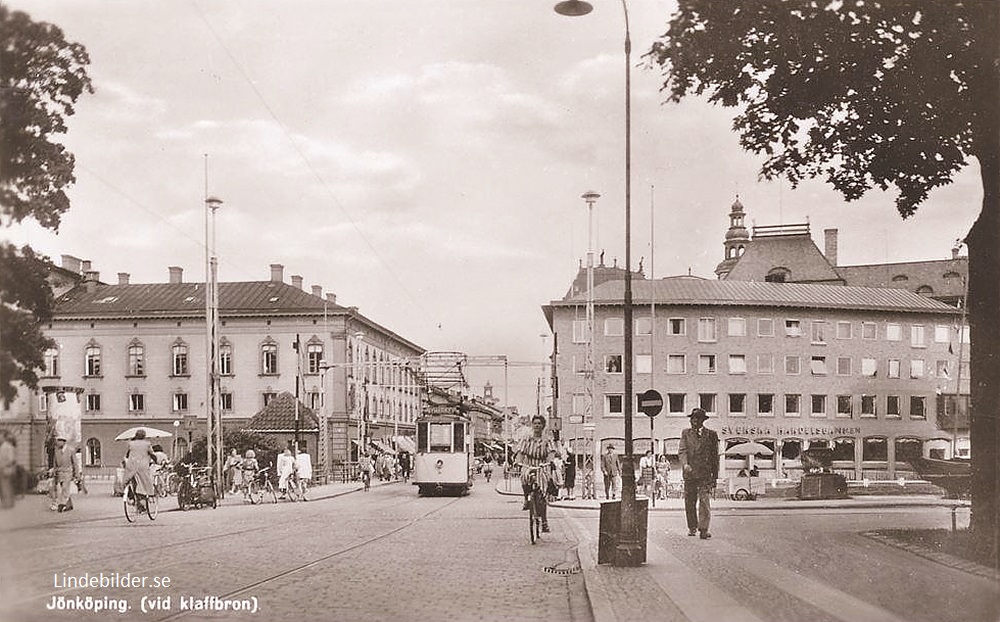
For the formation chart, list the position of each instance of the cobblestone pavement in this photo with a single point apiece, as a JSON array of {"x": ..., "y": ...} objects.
[{"x": 383, "y": 554}]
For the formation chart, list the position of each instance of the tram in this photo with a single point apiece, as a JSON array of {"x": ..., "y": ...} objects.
[{"x": 443, "y": 463}]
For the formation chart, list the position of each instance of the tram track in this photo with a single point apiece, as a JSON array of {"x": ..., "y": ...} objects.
[{"x": 176, "y": 553}]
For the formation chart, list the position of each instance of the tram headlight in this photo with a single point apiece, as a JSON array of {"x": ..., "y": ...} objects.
[{"x": 439, "y": 464}]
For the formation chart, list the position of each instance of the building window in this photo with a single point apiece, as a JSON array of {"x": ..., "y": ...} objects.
[
  {"x": 892, "y": 406},
  {"x": 614, "y": 327},
  {"x": 643, "y": 326},
  {"x": 869, "y": 330},
  {"x": 874, "y": 449},
  {"x": 893, "y": 368},
  {"x": 817, "y": 366},
  {"x": 844, "y": 330},
  {"x": 793, "y": 328},
  {"x": 675, "y": 403},
  {"x": 226, "y": 401},
  {"x": 226, "y": 359},
  {"x": 792, "y": 404},
  {"x": 737, "y": 404},
  {"x": 868, "y": 367},
  {"x": 941, "y": 370},
  {"x": 136, "y": 403},
  {"x": 614, "y": 405},
  {"x": 765, "y": 404},
  {"x": 706, "y": 363},
  {"x": 737, "y": 327},
  {"x": 918, "y": 337},
  {"x": 917, "y": 368},
  {"x": 180, "y": 402},
  {"x": 314, "y": 401},
  {"x": 314, "y": 358},
  {"x": 868, "y": 406},
  {"x": 918, "y": 407},
  {"x": 136, "y": 360},
  {"x": 613, "y": 363},
  {"x": 791, "y": 365},
  {"x": 819, "y": 331},
  {"x": 845, "y": 406},
  {"x": 676, "y": 364},
  {"x": 737, "y": 364},
  {"x": 706, "y": 401},
  {"x": 579, "y": 331},
  {"x": 893, "y": 332},
  {"x": 765, "y": 327},
  {"x": 268, "y": 396},
  {"x": 93, "y": 402},
  {"x": 818, "y": 405},
  {"x": 92, "y": 455},
  {"x": 942, "y": 334},
  {"x": 765, "y": 364},
  {"x": 52, "y": 362},
  {"x": 643, "y": 363},
  {"x": 676, "y": 326},
  {"x": 707, "y": 329},
  {"x": 92, "y": 361},
  {"x": 180, "y": 359},
  {"x": 269, "y": 359}
]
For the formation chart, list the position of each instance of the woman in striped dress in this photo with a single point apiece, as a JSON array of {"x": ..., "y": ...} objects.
[{"x": 537, "y": 450}]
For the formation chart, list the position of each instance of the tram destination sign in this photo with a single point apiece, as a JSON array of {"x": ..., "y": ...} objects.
[{"x": 650, "y": 403}]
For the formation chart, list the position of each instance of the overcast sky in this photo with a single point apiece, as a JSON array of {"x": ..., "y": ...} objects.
[{"x": 423, "y": 161}]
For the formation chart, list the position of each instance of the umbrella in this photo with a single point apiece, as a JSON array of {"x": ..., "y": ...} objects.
[
  {"x": 751, "y": 448},
  {"x": 129, "y": 434}
]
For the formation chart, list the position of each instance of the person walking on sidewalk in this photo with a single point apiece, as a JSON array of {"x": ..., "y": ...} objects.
[
  {"x": 612, "y": 470},
  {"x": 699, "y": 457}
]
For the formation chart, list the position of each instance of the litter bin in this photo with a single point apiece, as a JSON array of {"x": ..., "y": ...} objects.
[{"x": 607, "y": 541}]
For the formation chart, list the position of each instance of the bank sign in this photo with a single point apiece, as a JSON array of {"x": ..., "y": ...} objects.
[{"x": 781, "y": 431}]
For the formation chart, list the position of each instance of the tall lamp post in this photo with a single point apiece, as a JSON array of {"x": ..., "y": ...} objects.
[
  {"x": 213, "y": 412},
  {"x": 629, "y": 551}
]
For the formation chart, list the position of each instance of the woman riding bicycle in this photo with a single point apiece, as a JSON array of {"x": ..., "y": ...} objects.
[
  {"x": 138, "y": 457},
  {"x": 537, "y": 450}
]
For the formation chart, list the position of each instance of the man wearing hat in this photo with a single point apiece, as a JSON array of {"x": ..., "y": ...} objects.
[
  {"x": 64, "y": 472},
  {"x": 611, "y": 470},
  {"x": 699, "y": 457}
]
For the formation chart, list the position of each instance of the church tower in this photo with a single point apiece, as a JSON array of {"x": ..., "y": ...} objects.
[{"x": 736, "y": 242}]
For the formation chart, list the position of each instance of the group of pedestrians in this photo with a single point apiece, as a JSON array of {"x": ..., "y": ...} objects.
[{"x": 385, "y": 465}]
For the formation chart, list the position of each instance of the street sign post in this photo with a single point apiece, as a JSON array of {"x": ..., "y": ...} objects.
[{"x": 650, "y": 404}]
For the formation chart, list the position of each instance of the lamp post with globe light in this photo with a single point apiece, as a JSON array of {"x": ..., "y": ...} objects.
[{"x": 629, "y": 551}]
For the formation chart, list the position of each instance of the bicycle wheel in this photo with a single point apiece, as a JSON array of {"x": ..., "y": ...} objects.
[
  {"x": 152, "y": 506},
  {"x": 272, "y": 494},
  {"x": 256, "y": 494},
  {"x": 531, "y": 518},
  {"x": 128, "y": 500},
  {"x": 292, "y": 489}
]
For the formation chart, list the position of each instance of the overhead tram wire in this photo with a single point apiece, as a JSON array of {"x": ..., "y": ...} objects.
[{"x": 305, "y": 160}]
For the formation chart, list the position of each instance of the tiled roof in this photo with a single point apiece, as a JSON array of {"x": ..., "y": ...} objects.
[
  {"x": 181, "y": 299},
  {"x": 693, "y": 291},
  {"x": 797, "y": 253},
  {"x": 279, "y": 416}
]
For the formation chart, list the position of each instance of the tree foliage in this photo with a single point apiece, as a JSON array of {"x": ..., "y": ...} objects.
[
  {"x": 41, "y": 77},
  {"x": 862, "y": 94},
  {"x": 889, "y": 94}
]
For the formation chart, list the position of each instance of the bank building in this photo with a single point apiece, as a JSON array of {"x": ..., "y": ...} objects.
[{"x": 785, "y": 347}]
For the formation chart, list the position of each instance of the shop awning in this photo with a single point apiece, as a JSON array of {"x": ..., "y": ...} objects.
[
  {"x": 382, "y": 447},
  {"x": 406, "y": 443}
]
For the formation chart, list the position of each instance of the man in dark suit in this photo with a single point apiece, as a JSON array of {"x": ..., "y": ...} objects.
[{"x": 699, "y": 457}]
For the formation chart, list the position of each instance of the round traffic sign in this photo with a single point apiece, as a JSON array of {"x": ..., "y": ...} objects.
[{"x": 650, "y": 403}]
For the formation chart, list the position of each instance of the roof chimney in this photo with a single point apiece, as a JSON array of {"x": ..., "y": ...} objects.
[
  {"x": 297, "y": 281},
  {"x": 91, "y": 279},
  {"x": 317, "y": 291},
  {"x": 123, "y": 278},
  {"x": 331, "y": 297},
  {"x": 71, "y": 263},
  {"x": 176, "y": 274},
  {"x": 277, "y": 273},
  {"x": 954, "y": 252},
  {"x": 85, "y": 265},
  {"x": 830, "y": 236}
]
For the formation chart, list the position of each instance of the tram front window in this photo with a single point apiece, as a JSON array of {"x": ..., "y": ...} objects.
[{"x": 440, "y": 436}]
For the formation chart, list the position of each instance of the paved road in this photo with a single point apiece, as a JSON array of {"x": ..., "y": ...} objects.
[{"x": 382, "y": 555}]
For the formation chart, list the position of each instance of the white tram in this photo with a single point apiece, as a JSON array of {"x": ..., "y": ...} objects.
[{"x": 443, "y": 463}]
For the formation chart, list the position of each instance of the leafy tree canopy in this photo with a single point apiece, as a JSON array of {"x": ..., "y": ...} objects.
[
  {"x": 861, "y": 93},
  {"x": 41, "y": 77}
]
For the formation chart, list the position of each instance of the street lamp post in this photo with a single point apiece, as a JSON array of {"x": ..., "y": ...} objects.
[{"x": 629, "y": 551}]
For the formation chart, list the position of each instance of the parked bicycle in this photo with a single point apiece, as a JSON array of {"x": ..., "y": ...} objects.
[
  {"x": 258, "y": 487},
  {"x": 297, "y": 487},
  {"x": 136, "y": 503},
  {"x": 198, "y": 488}
]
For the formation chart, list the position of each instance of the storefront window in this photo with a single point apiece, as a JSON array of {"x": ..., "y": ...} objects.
[{"x": 875, "y": 448}]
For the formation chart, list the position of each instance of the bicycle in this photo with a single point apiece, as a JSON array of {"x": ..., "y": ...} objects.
[
  {"x": 296, "y": 487},
  {"x": 265, "y": 486},
  {"x": 136, "y": 504},
  {"x": 536, "y": 504}
]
